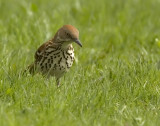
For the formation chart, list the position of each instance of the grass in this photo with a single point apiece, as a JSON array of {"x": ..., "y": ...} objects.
[{"x": 115, "y": 81}]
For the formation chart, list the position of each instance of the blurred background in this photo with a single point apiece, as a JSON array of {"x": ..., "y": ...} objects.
[{"x": 114, "y": 81}]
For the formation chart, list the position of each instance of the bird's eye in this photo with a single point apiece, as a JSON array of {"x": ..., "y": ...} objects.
[{"x": 68, "y": 35}]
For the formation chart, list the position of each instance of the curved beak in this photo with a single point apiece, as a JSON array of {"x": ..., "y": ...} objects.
[{"x": 78, "y": 42}]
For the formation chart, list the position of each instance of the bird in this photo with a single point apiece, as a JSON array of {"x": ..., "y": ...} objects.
[{"x": 55, "y": 57}]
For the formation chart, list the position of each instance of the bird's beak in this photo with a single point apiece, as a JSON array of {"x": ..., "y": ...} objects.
[{"x": 78, "y": 42}]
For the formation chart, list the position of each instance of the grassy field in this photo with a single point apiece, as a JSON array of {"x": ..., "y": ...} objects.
[{"x": 115, "y": 81}]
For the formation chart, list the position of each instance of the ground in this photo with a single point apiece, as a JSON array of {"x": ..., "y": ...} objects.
[{"x": 115, "y": 80}]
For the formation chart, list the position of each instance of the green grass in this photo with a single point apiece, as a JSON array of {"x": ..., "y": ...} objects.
[{"x": 115, "y": 82}]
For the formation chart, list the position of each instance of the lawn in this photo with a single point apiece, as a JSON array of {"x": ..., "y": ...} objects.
[{"x": 115, "y": 80}]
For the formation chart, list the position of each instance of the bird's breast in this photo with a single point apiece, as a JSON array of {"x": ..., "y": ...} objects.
[{"x": 56, "y": 62}]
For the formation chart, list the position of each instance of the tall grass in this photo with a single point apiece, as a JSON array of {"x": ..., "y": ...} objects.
[{"x": 115, "y": 80}]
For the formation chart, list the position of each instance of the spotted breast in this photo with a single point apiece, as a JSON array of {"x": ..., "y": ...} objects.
[{"x": 54, "y": 60}]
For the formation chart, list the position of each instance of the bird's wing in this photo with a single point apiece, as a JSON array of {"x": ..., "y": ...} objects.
[
  {"x": 41, "y": 51},
  {"x": 45, "y": 49}
]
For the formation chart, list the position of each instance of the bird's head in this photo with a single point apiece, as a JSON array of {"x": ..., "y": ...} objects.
[{"x": 67, "y": 34}]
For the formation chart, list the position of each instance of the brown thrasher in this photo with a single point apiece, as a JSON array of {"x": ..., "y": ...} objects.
[{"x": 56, "y": 56}]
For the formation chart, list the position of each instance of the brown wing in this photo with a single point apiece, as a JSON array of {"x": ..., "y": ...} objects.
[
  {"x": 44, "y": 49},
  {"x": 41, "y": 51}
]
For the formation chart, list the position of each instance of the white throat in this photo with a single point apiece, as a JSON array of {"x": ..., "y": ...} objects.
[{"x": 65, "y": 45}]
